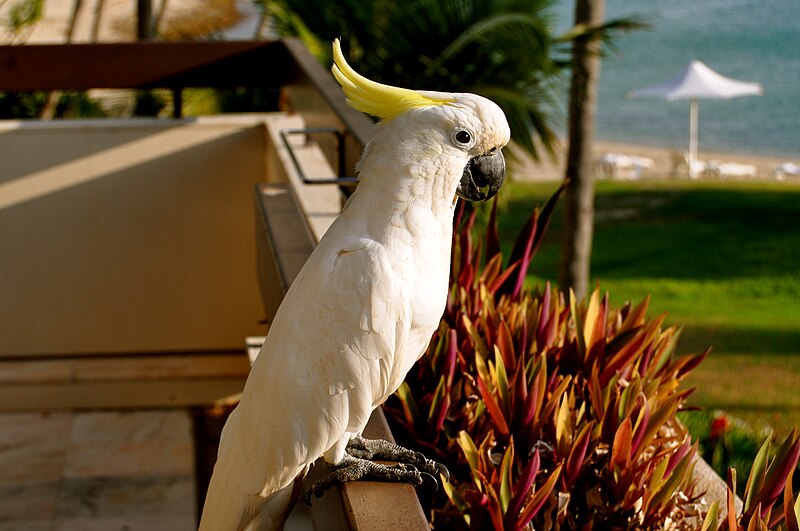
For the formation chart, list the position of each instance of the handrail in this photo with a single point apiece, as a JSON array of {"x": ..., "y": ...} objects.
[{"x": 341, "y": 178}]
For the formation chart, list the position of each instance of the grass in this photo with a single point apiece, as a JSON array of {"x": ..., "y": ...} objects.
[{"x": 722, "y": 259}]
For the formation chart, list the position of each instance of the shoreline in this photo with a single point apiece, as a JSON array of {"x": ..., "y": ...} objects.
[{"x": 665, "y": 161}]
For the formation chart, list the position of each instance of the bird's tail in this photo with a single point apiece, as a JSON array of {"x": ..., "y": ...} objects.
[{"x": 227, "y": 508}]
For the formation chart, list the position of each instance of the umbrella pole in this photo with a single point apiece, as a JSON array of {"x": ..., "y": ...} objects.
[{"x": 693, "y": 138}]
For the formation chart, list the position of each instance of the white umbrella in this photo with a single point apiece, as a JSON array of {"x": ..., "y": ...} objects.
[{"x": 698, "y": 81}]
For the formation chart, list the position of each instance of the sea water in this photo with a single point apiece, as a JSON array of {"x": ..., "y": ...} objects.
[{"x": 748, "y": 40}]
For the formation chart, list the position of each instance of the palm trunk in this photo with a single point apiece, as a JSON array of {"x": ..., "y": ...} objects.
[
  {"x": 53, "y": 97},
  {"x": 577, "y": 250},
  {"x": 161, "y": 19},
  {"x": 96, "y": 23},
  {"x": 144, "y": 20}
]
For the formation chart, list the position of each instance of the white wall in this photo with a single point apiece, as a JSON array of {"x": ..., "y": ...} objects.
[{"x": 128, "y": 236}]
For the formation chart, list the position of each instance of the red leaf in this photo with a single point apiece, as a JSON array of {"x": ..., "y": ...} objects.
[
  {"x": 695, "y": 361},
  {"x": 788, "y": 507},
  {"x": 492, "y": 239},
  {"x": 538, "y": 499},
  {"x": 441, "y": 414},
  {"x": 520, "y": 395},
  {"x": 493, "y": 408},
  {"x": 621, "y": 449},
  {"x": 641, "y": 427},
  {"x": 576, "y": 456},
  {"x": 526, "y": 257},
  {"x": 676, "y": 457},
  {"x": 461, "y": 208},
  {"x": 502, "y": 279},
  {"x": 452, "y": 351},
  {"x": 522, "y": 341},
  {"x": 732, "y": 526},
  {"x": 521, "y": 490},
  {"x": 528, "y": 241},
  {"x": 506, "y": 345},
  {"x": 785, "y": 462},
  {"x": 624, "y": 356},
  {"x": 646, "y": 358},
  {"x": 544, "y": 317},
  {"x": 531, "y": 403}
]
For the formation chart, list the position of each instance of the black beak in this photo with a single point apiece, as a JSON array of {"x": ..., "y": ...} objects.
[{"x": 482, "y": 177}]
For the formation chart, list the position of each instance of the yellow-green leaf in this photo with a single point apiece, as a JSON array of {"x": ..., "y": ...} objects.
[
  {"x": 505, "y": 477},
  {"x": 470, "y": 450},
  {"x": 573, "y": 309},
  {"x": 438, "y": 395},
  {"x": 502, "y": 382},
  {"x": 409, "y": 404},
  {"x": 483, "y": 371},
  {"x": 711, "y": 517},
  {"x": 477, "y": 338},
  {"x": 755, "y": 482},
  {"x": 591, "y": 318},
  {"x": 563, "y": 425},
  {"x": 535, "y": 502},
  {"x": 657, "y": 477},
  {"x": 797, "y": 508},
  {"x": 457, "y": 500},
  {"x": 681, "y": 472}
]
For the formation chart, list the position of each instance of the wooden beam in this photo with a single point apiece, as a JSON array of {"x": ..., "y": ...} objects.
[
  {"x": 121, "y": 382},
  {"x": 144, "y": 65}
]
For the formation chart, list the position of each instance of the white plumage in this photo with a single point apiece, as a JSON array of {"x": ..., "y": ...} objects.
[{"x": 361, "y": 311}]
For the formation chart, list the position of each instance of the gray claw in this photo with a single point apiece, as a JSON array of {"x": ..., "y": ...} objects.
[{"x": 442, "y": 470}]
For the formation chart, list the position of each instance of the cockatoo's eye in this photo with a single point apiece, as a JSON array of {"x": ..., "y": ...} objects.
[{"x": 463, "y": 137}]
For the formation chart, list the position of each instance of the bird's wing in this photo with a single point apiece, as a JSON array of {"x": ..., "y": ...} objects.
[{"x": 314, "y": 378}]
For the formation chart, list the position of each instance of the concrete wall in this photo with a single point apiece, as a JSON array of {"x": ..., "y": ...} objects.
[{"x": 128, "y": 236}]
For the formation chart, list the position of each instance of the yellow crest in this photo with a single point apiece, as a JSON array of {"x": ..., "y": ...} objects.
[{"x": 374, "y": 98}]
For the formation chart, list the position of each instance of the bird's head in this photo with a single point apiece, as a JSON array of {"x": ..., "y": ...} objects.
[{"x": 463, "y": 133}]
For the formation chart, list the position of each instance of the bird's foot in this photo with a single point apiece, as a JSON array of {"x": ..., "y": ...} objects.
[
  {"x": 353, "y": 468},
  {"x": 380, "y": 450}
]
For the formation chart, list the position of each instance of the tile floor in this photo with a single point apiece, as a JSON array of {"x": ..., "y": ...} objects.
[{"x": 87, "y": 471}]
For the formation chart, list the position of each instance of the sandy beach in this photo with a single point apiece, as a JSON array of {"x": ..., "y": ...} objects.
[
  {"x": 183, "y": 19},
  {"x": 663, "y": 163}
]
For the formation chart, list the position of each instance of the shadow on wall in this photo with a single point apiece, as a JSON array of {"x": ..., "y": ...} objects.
[{"x": 129, "y": 236}]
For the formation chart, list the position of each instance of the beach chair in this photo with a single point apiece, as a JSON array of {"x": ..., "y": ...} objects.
[{"x": 787, "y": 169}]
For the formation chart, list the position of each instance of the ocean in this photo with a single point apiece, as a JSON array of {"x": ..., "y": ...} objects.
[{"x": 749, "y": 40}]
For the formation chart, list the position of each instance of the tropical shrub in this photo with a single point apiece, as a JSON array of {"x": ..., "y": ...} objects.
[{"x": 549, "y": 412}]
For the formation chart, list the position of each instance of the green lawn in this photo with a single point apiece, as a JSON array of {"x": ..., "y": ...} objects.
[{"x": 722, "y": 259}]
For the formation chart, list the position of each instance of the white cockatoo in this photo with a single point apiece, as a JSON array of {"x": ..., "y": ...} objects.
[{"x": 363, "y": 308}]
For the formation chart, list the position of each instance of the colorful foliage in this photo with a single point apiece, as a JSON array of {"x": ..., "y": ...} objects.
[
  {"x": 549, "y": 412},
  {"x": 558, "y": 414}
]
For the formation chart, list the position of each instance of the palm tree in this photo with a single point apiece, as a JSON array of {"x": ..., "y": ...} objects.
[{"x": 501, "y": 49}]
